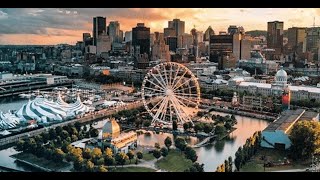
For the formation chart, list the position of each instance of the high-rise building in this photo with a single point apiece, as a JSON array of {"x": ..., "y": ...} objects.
[
  {"x": 232, "y": 29},
  {"x": 199, "y": 37},
  {"x": 296, "y": 37},
  {"x": 312, "y": 38},
  {"x": 172, "y": 42},
  {"x": 103, "y": 43},
  {"x": 209, "y": 32},
  {"x": 225, "y": 50},
  {"x": 178, "y": 25},
  {"x": 128, "y": 36},
  {"x": 114, "y": 31},
  {"x": 159, "y": 49},
  {"x": 169, "y": 32},
  {"x": 120, "y": 36},
  {"x": 141, "y": 37},
  {"x": 87, "y": 39},
  {"x": 99, "y": 26},
  {"x": 275, "y": 36},
  {"x": 185, "y": 41}
]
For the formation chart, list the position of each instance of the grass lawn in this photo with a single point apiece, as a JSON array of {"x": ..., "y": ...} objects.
[
  {"x": 42, "y": 162},
  {"x": 272, "y": 155},
  {"x": 174, "y": 162},
  {"x": 148, "y": 157},
  {"x": 131, "y": 169}
]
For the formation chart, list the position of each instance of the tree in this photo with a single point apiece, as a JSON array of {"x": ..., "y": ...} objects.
[
  {"x": 74, "y": 138},
  {"x": 101, "y": 168},
  {"x": 146, "y": 123},
  {"x": 52, "y": 133},
  {"x": 207, "y": 128},
  {"x": 185, "y": 126},
  {"x": 230, "y": 164},
  {"x": 157, "y": 145},
  {"x": 305, "y": 139},
  {"x": 168, "y": 142},
  {"x": 64, "y": 134},
  {"x": 77, "y": 125},
  {"x": 220, "y": 129},
  {"x": 239, "y": 158},
  {"x": 130, "y": 155},
  {"x": 180, "y": 143},
  {"x": 226, "y": 165},
  {"x": 121, "y": 158},
  {"x": 94, "y": 133},
  {"x": 164, "y": 151},
  {"x": 139, "y": 155},
  {"x": 58, "y": 155},
  {"x": 198, "y": 127},
  {"x": 174, "y": 125},
  {"x": 77, "y": 164},
  {"x": 156, "y": 153},
  {"x": 108, "y": 152},
  {"x": 191, "y": 154},
  {"x": 100, "y": 161},
  {"x": 196, "y": 167},
  {"x": 87, "y": 153},
  {"x": 109, "y": 160},
  {"x": 89, "y": 167},
  {"x": 20, "y": 145},
  {"x": 59, "y": 130}
]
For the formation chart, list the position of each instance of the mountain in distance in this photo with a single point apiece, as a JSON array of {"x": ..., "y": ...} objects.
[{"x": 257, "y": 33}]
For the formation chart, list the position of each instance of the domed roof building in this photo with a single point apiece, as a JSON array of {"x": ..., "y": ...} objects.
[
  {"x": 111, "y": 129},
  {"x": 281, "y": 77}
]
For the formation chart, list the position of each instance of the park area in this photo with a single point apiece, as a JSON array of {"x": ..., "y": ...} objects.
[{"x": 174, "y": 162}]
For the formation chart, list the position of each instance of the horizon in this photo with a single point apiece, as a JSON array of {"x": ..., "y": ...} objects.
[{"x": 52, "y": 26}]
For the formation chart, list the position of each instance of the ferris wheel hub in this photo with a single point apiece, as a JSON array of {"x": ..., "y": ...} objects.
[{"x": 169, "y": 92}]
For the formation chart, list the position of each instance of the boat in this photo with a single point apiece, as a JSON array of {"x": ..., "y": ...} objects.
[{"x": 25, "y": 95}]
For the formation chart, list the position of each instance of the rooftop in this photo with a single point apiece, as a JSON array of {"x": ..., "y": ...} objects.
[{"x": 289, "y": 118}]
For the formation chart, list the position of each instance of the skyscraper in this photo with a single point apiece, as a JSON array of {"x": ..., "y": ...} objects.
[
  {"x": 172, "y": 42},
  {"x": 275, "y": 36},
  {"x": 169, "y": 32},
  {"x": 296, "y": 36},
  {"x": 99, "y": 26},
  {"x": 208, "y": 33},
  {"x": 103, "y": 43},
  {"x": 114, "y": 31},
  {"x": 141, "y": 37},
  {"x": 233, "y": 29},
  {"x": 128, "y": 36},
  {"x": 178, "y": 25}
]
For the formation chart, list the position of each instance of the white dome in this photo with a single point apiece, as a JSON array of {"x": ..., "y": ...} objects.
[
  {"x": 281, "y": 77},
  {"x": 281, "y": 73}
]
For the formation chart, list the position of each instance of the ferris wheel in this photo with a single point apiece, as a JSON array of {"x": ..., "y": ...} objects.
[{"x": 170, "y": 92}]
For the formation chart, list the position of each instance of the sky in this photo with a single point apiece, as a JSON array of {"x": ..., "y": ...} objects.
[{"x": 50, "y": 26}]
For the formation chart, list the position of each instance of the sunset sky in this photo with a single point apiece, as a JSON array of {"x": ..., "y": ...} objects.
[{"x": 47, "y": 26}]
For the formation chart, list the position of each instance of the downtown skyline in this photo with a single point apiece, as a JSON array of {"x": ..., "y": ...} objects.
[{"x": 50, "y": 26}]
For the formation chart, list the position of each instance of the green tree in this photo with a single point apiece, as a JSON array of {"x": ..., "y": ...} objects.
[
  {"x": 130, "y": 155},
  {"x": 305, "y": 139},
  {"x": 180, "y": 143},
  {"x": 77, "y": 125},
  {"x": 239, "y": 158},
  {"x": 230, "y": 164},
  {"x": 185, "y": 126},
  {"x": 164, "y": 151},
  {"x": 77, "y": 164},
  {"x": 196, "y": 167},
  {"x": 156, "y": 153},
  {"x": 94, "y": 133},
  {"x": 146, "y": 123},
  {"x": 109, "y": 160},
  {"x": 87, "y": 153},
  {"x": 168, "y": 142},
  {"x": 121, "y": 158},
  {"x": 59, "y": 155},
  {"x": 198, "y": 127},
  {"x": 52, "y": 133},
  {"x": 74, "y": 138},
  {"x": 191, "y": 154},
  {"x": 174, "y": 125},
  {"x": 220, "y": 129},
  {"x": 100, "y": 161},
  {"x": 20, "y": 145},
  {"x": 207, "y": 128},
  {"x": 139, "y": 155},
  {"x": 226, "y": 165}
]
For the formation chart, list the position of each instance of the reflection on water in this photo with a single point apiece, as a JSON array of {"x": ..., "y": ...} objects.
[
  {"x": 10, "y": 162},
  {"x": 214, "y": 154},
  {"x": 7, "y": 104},
  {"x": 150, "y": 138}
]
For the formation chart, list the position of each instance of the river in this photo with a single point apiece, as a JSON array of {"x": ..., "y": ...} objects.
[{"x": 211, "y": 155}]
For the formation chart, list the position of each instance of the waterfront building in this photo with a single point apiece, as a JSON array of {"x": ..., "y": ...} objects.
[
  {"x": 276, "y": 135},
  {"x": 111, "y": 136}
]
